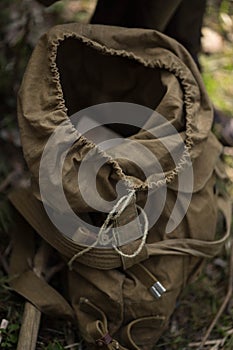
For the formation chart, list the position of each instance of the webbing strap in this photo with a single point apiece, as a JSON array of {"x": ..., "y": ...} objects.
[
  {"x": 194, "y": 247},
  {"x": 96, "y": 329},
  {"x": 42, "y": 295},
  {"x": 33, "y": 211},
  {"x": 148, "y": 280},
  {"x": 143, "y": 275},
  {"x": 127, "y": 227},
  {"x": 25, "y": 281}
]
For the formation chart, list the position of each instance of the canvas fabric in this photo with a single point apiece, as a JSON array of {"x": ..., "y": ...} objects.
[{"x": 75, "y": 66}]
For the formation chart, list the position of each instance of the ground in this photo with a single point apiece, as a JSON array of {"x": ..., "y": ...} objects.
[{"x": 23, "y": 22}]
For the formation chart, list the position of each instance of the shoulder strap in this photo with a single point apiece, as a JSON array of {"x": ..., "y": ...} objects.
[{"x": 24, "y": 278}]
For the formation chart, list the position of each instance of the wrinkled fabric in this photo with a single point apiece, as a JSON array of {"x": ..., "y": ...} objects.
[
  {"x": 65, "y": 72},
  {"x": 76, "y": 66}
]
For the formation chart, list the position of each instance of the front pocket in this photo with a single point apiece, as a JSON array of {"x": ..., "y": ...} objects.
[{"x": 102, "y": 288}]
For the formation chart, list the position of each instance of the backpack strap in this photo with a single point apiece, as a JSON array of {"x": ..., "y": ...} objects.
[
  {"x": 194, "y": 247},
  {"x": 24, "y": 278},
  {"x": 93, "y": 324},
  {"x": 148, "y": 279},
  {"x": 33, "y": 211}
]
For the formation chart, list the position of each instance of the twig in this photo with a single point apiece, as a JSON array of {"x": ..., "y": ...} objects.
[
  {"x": 225, "y": 302},
  {"x": 70, "y": 338},
  {"x": 208, "y": 342},
  {"x": 30, "y": 327},
  {"x": 53, "y": 270},
  {"x": 4, "y": 263},
  {"x": 215, "y": 342},
  {"x": 3, "y": 326},
  {"x": 31, "y": 317},
  {"x": 5, "y": 183},
  {"x": 3, "y": 257},
  {"x": 71, "y": 346},
  {"x": 7, "y": 250}
]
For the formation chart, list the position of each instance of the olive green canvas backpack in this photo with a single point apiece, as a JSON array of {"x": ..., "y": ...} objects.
[{"x": 123, "y": 279}]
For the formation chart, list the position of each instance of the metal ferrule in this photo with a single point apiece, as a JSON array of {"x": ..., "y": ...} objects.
[{"x": 157, "y": 289}]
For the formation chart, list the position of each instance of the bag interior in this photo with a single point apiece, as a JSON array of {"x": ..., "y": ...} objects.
[{"x": 89, "y": 76}]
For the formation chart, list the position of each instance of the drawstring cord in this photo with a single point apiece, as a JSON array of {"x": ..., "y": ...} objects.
[
  {"x": 143, "y": 240},
  {"x": 102, "y": 237}
]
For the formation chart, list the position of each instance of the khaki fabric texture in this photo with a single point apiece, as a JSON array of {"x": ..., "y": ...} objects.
[{"x": 75, "y": 66}]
